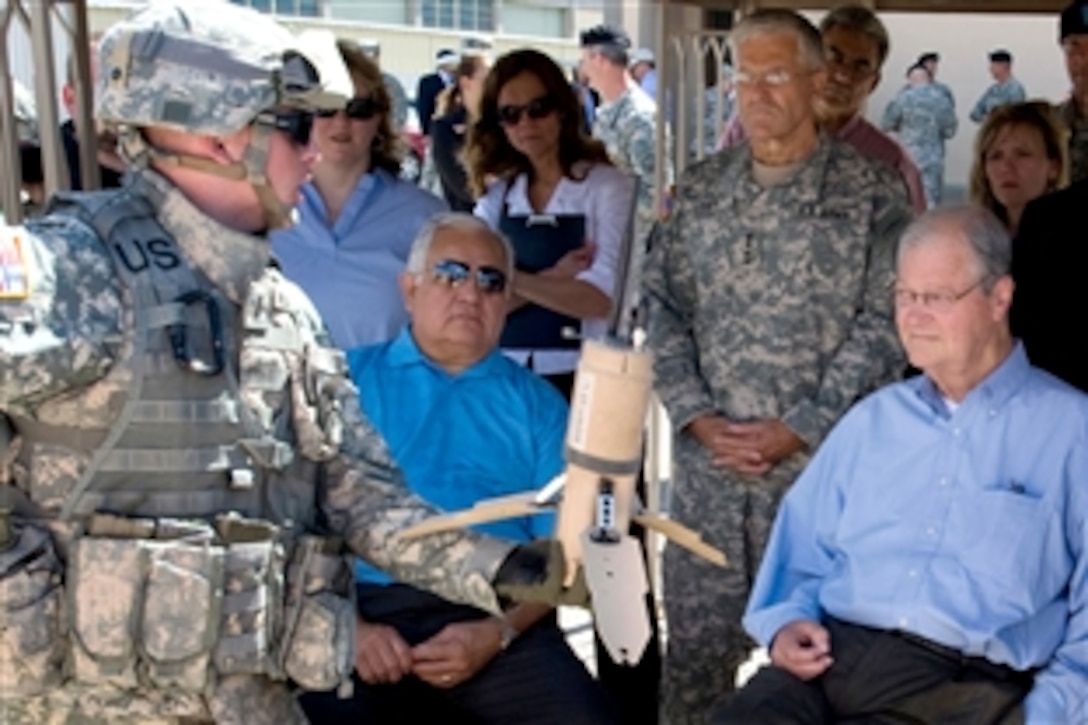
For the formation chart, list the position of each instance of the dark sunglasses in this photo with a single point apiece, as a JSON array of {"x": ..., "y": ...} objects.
[
  {"x": 535, "y": 109},
  {"x": 452, "y": 273},
  {"x": 360, "y": 108},
  {"x": 296, "y": 124}
]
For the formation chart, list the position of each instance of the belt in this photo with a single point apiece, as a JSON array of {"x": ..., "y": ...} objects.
[{"x": 992, "y": 670}]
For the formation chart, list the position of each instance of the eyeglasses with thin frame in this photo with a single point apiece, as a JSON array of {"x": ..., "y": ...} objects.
[
  {"x": 297, "y": 124},
  {"x": 934, "y": 301},
  {"x": 360, "y": 108},
  {"x": 536, "y": 109},
  {"x": 453, "y": 273},
  {"x": 774, "y": 78}
]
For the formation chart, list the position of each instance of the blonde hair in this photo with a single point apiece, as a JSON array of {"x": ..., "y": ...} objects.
[{"x": 1037, "y": 115}]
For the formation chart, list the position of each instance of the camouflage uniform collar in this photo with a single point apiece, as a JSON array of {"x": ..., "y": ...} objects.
[
  {"x": 805, "y": 187},
  {"x": 232, "y": 260}
]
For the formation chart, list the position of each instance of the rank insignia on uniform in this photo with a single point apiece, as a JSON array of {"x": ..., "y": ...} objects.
[{"x": 14, "y": 268}]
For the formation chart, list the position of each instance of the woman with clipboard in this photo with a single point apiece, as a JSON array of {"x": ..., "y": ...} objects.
[{"x": 552, "y": 190}]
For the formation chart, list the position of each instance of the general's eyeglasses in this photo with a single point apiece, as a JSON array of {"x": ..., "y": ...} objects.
[
  {"x": 536, "y": 109},
  {"x": 453, "y": 273},
  {"x": 778, "y": 77},
  {"x": 360, "y": 108},
  {"x": 295, "y": 123},
  {"x": 934, "y": 301}
]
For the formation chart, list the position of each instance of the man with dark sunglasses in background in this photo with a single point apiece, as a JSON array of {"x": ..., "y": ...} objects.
[
  {"x": 174, "y": 417},
  {"x": 467, "y": 424},
  {"x": 357, "y": 218}
]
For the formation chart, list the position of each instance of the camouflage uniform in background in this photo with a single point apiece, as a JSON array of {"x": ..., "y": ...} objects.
[
  {"x": 996, "y": 96},
  {"x": 923, "y": 118},
  {"x": 760, "y": 304},
  {"x": 183, "y": 458},
  {"x": 628, "y": 129},
  {"x": 946, "y": 92},
  {"x": 399, "y": 98},
  {"x": 1078, "y": 140}
]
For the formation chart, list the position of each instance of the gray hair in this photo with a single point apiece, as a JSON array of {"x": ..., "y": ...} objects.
[
  {"x": 860, "y": 20},
  {"x": 778, "y": 21},
  {"x": 421, "y": 245},
  {"x": 986, "y": 236}
]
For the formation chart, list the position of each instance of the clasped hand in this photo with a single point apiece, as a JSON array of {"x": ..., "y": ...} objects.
[{"x": 750, "y": 448}]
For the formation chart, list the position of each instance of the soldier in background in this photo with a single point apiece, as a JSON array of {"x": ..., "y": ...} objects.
[
  {"x": 626, "y": 119},
  {"x": 1004, "y": 91},
  {"x": 397, "y": 95},
  {"x": 183, "y": 456},
  {"x": 1074, "y": 39},
  {"x": 929, "y": 61},
  {"x": 769, "y": 311},
  {"x": 923, "y": 118}
]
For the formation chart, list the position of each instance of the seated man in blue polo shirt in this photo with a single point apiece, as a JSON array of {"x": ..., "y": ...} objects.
[{"x": 465, "y": 423}]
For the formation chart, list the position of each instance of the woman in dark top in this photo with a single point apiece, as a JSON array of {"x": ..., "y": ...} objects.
[{"x": 457, "y": 107}]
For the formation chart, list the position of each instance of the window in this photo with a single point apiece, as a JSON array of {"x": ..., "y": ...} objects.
[
  {"x": 459, "y": 14},
  {"x": 300, "y": 8}
]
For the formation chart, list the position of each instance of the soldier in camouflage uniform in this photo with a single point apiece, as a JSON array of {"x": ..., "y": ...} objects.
[
  {"x": 923, "y": 118},
  {"x": 769, "y": 311},
  {"x": 929, "y": 61},
  {"x": 1006, "y": 90},
  {"x": 1074, "y": 38},
  {"x": 183, "y": 458},
  {"x": 626, "y": 120}
]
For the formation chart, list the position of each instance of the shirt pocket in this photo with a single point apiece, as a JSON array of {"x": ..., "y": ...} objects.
[{"x": 1006, "y": 538}]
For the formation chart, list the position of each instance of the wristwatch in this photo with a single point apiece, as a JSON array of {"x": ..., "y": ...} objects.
[{"x": 508, "y": 633}]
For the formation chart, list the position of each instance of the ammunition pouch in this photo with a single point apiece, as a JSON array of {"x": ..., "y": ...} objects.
[
  {"x": 175, "y": 607},
  {"x": 319, "y": 638},
  {"x": 144, "y": 611},
  {"x": 32, "y": 639}
]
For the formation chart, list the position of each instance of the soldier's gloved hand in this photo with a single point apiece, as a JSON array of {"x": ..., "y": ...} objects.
[{"x": 534, "y": 572}]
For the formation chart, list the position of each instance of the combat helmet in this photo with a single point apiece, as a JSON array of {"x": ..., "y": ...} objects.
[{"x": 213, "y": 68}]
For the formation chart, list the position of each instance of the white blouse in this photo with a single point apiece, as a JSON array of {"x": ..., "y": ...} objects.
[{"x": 604, "y": 196}]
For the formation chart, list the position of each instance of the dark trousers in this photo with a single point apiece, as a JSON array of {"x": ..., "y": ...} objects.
[
  {"x": 880, "y": 677},
  {"x": 634, "y": 689},
  {"x": 537, "y": 680}
]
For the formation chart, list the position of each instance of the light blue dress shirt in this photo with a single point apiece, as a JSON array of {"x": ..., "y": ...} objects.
[
  {"x": 492, "y": 430},
  {"x": 967, "y": 528},
  {"x": 350, "y": 269}
]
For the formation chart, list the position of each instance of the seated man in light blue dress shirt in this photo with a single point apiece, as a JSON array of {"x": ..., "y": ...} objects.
[
  {"x": 465, "y": 423},
  {"x": 356, "y": 218},
  {"x": 931, "y": 563}
]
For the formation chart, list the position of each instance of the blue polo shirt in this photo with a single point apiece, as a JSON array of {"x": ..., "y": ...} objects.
[
  {"x": 491, "y": 430},
  {"x": 350, "y": 269}
]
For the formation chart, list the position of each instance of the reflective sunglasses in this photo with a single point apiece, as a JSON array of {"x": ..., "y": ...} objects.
[
  {"x": 535, "y": 109},
  {"x": 360, "y": 108},
  {"x": 296, "y": 124},
  {"x": 452, "y": 273}
]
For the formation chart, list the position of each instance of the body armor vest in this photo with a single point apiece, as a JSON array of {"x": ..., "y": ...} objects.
[
  {"x": 177, "y": 427},
  {"x": 179, "y": 488}
]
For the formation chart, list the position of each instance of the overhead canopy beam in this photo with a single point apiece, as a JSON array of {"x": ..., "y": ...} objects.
[{"x": 1044, "y": 7}]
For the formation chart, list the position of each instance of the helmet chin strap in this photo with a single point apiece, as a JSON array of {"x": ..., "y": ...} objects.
[{"x": 253, "y": 167}]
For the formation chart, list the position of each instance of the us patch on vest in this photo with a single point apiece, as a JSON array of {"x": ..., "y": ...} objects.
[{"x": 14, "y": 268}]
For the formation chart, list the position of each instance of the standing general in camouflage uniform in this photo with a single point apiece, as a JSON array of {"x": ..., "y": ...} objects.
[
  {"x": 923, "y": 118},
  {"x": 1005, "y": 90},
  {"x": 183, "y": 457},
  {"x": 929, "y": 61},
  {"x": 769, "y": 311},
  {"x": 1074, "y": 39}
]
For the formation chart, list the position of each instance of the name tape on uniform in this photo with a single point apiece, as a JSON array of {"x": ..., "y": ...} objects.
[{"x": 14, "y": 266}]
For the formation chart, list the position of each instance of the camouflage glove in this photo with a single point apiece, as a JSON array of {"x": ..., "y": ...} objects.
[{"x": 534, "y": 572}]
